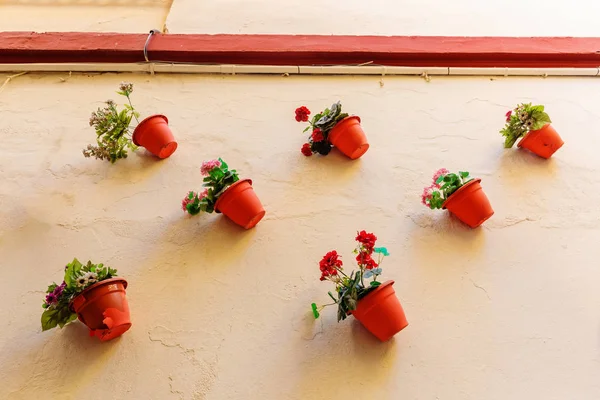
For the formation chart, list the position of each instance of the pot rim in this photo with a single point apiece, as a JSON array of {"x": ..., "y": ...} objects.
[
  {"x": 226, "y": 190},
  {"x": 475, "y": 180},
  {"x": 135, "y": 131},
  {"x": 527, "y": 134},
  {"x": 97, "y": 284},
  {"x": 383, "y": 284},
  {"x": 349, "y": 117}
]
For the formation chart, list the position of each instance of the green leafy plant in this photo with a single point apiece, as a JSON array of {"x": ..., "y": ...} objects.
[
  {"x": 321, "y": 124},
  {"x": 521, "y": 120},
  {"x": 78, "y": 277},
  {"x": 217, "y": 178},
  {"x": 113, "y": 133},
  {"x": 349, "y": 289},
  {"x": 444, "y": 184}
]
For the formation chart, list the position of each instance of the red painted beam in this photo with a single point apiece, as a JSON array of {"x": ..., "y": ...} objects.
[{"x": 423, "y": 51}]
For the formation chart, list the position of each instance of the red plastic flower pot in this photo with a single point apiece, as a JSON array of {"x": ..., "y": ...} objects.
[
  {"x": 381, "y": 313},
  {"x": 470, "y": 204},
  {"x": 241, "y": 204},
  {"x": 104, "y": 309},
  {"x": 349, "y": 137},
  {"x": 543, "y": 142},
  {"x": 154, "y": 134}
]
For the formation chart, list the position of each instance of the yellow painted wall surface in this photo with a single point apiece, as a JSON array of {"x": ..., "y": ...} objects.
[{"x": 506, "y": 311}]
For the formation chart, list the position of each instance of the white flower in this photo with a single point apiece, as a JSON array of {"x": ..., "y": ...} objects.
[
  {"x": 81, "y": 281},
  {"x": 523, "y": 116},
  {"x": 91, "y": 277}
]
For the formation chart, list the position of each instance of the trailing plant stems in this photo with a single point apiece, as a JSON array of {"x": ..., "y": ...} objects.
[
  {"x": 132, "y": 109},
  {"x": 361, "y": 281}
]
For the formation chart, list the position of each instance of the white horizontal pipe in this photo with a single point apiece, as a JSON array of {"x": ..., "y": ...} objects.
[{"x": 294, "y": 70}]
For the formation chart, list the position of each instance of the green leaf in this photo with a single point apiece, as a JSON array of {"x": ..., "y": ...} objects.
[
  {"x": 72, "y": 271},
  {"x": 314, "y": 310},
  {"x": 49, "y": 319},
  {"x": 381, "y": 250},
  {"x": 72, "y": 317},
  {"x": 463, "y": 174},
  {"x": 375, "y": 283}
]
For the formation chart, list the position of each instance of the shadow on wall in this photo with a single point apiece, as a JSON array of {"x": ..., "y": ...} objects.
[
  {"x": 446, "y": 234},
  {"x": 522, "y": 165},
  {"x": 65, "y": 359},
  {"x": 339, "y": 359}
]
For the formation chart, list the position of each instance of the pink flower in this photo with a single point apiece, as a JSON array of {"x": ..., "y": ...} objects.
[
  {"x": 203, "y": 194},
  {"x": 438, "y": 173},
  {"x": 208, "y": 166},
  {"x": 427, "y": 192},
  {"x": 186, "y": 200},
  {"x": 508, "y": 115}
]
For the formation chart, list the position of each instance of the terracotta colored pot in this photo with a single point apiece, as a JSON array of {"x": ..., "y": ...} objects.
[
  {"x": 381, "y": 313},
  {"x": 104, "y": 309},
  {"x": 241, "y": 204},
  {"x": 543, "y": 142},
  {"x": 470, "y": 204},
  {"x": 349, "y": 137},
  {"x": 154, "y": 134}
]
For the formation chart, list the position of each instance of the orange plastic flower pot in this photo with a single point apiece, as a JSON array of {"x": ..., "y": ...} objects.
[
  {"x": 349, "y": 137},
  {"x": 154, "y": 134},
  {"x": 470, "y": 204},
  {"x": 104, "y": 309},
  {"x": 381, "y": 313},
  {"x": 543, "y": 142},
  {"x": 241, "y": 204}
]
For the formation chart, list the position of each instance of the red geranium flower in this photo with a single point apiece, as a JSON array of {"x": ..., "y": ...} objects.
[
  {"x": 329, "y": 264},
  {"x": 365, "y": 259},
  {"x": 367, "y": 239},
  {"x": 317, "y": 135},
  {"x": 302, "y": 114},
  {"x": 306, "y": 150}
]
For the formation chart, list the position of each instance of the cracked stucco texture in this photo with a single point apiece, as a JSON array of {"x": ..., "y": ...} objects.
[{"x": 506, "y": 311}]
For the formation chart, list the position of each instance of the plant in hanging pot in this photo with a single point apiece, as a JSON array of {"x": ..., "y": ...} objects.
[
  {"x": 225, "y": 192},
  {"x": 460, "y": 194},
  {"x": 531, "y": 124},
  {"x": 113, "y": 131},
  {"x": 91, "y": 293},
  {"x": 330, "y": 128},
  {"x": 373, "y": 303}
]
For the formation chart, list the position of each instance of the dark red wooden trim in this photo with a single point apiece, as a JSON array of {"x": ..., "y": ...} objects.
[{"x": 422, "y": 51}]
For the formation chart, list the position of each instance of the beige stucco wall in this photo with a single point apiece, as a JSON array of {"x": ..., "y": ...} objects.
[
  {"x": 351, "y": 17},
  {"x": 126, "y": 16},
  {"x": 507, "y": 311},
  {"x": 385, "y": 17}
]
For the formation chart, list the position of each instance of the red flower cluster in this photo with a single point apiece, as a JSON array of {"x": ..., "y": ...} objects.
[
  {"x": 317, "y": 135},
  {"x": 368, "y": 244},
  {"x": 302, "y": 114},
  {"x": 306, "y": 150},
  {"x": 329, "y": 264},
  {"x": 367, "y": 240},
  {"x": 363, "y": 258}
]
